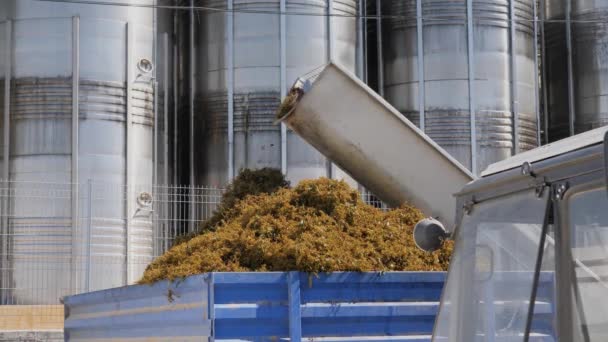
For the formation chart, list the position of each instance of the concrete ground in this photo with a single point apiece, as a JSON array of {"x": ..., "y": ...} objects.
[{"x": 32, "y": 336}]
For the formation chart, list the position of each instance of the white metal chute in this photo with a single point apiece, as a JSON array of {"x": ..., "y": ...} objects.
[{"x": 369, "y": 139}]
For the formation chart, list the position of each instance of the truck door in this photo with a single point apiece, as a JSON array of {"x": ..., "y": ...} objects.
[
  {"x": 585, "y": 221},
  {"x": 492, "y": 272}
]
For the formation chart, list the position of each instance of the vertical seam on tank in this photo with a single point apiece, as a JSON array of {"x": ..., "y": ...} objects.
[
  {"x": 379, "y": 48},
  {"x": 330, "y": 52},
  {"x": 175, "y": 100},
  {"x": 571, "y": 105},
  {"x": 283, "y": 85},
  {"x": 543, "y": 51},
  {"x": 154, "y": 83},
  {"x": 514, "y": 80},
  {"x": 471, "y": 80},
  {"x": 365, "y": 46},
  {"x": 75, "y": 119},
  {"x": 166, "y": 107},
  {"x": 165, "y": 199},
  {"x": 230, "y": 90},
  {"x": 330, "y": 33},
  {"x": 536, "y": 83},
  {"x": 129, "y": 122},
  {"x": 191, "y": 95},
  {"x": 420, "y": 47},
  {"x": 191, "y": 119},
  {"x": 359, "y": 45},
  {"x": 7, "y": 100},
  {"x": 6, "y": 150}
]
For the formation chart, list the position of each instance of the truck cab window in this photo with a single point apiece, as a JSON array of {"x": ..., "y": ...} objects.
[
  {"x": 489, "y": 286},
  {"x": 588, "y": 218}
]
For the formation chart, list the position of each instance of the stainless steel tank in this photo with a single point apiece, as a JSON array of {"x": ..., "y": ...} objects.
[
  {"x": 81, "y": 108},
  {"x": 429, "y": 70},
  {"x": 577, "y": 66},
  {"x": 244, "y": 64}
]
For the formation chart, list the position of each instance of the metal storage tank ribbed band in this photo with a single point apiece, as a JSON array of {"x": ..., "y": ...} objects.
[
  {"x": 577, "y": 66},
  {"x": 502, "y": 77},
  {"x": 79, "y": 110},
  {"x": 245, "y": 62}
]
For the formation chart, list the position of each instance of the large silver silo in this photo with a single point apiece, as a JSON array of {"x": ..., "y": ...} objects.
[
  {"x": 244, "y": 64},
  {"x": 464, "y": 72},
  {"x": 576, "y": 40},
  {"x": 80, "y": 110}
]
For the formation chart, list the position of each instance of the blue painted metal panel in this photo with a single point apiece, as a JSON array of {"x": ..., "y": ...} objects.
[
  {"x": 366, "y": 326},
  {"x": 342, "y": 306},
  {"x": 345, "y": 310},
  {"x": 250, "y": 287},
  {"x": 161, "y": 312},
  {"x": 380, "y": 287},
  {"x": 295, "y": 306}
]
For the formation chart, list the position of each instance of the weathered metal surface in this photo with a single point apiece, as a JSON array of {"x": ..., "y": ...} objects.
[
  {"x": 478, "y": 54},
  {"x": 243, "y": 61},
  {"x": 576, "y": 40},
  {"x": 164, "y": 311},
  {"x": 548, "y": 151},
  {"x": 342, "y": 306},
  {"x": 261, "y": 306},
  {"x": 339, "y": 305},
  {"x": 99, "y": 126},
  {"x": 414, "y": 169}
]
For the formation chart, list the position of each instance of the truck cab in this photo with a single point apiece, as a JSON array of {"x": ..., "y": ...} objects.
[{"x": 531, "y": 248}]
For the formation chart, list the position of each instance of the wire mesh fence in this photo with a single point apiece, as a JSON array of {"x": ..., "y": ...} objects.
[
  {"x": 59, "y": 239},
  {"x": 372, "y": 200}
]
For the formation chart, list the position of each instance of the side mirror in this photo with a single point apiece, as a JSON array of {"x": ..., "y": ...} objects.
[{"x": 429, "y": 234}]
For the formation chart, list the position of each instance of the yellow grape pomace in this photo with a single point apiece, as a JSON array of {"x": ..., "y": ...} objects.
[{"x": 319, "y": 226}]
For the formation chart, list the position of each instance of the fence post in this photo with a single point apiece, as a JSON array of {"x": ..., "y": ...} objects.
[
  {"x": 295, "y": 312},
  {"x": 89, "y": 233}
]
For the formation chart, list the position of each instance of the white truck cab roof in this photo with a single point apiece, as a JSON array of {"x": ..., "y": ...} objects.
[{"x": 570, "y": 144}]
